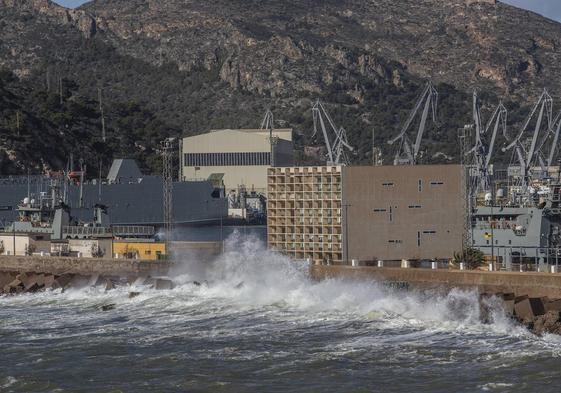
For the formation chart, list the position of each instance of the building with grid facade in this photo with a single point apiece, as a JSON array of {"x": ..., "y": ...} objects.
[
  {"x": 366, "y": 213},
  {"x": 304, "y": 212}
]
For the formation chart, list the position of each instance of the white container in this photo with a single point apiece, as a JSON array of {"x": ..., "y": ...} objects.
[
  {"x": 354, "y": 262},
  {"x": 434, "y": 265},
  {"x": 380, "y": 263},
  {"x": 554, "y": 269},
  {"x": 405, "y": 264},
  {"x": 490, "y": 267},
  {"x": 462, "y": 266}
]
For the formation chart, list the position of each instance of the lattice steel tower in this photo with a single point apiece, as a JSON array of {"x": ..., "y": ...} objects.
[
  {"x": 467, "y": 189},
  {"x": 168, "y": 147}
]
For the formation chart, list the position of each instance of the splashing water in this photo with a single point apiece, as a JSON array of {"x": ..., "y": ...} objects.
[{"x": 256, "y": 322}]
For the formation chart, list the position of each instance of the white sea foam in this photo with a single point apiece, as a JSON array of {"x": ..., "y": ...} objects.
[
  {"x": 250, "y": 275},
  {"x": 7, "y": 382},
  {"x": 250, "y": 278}
]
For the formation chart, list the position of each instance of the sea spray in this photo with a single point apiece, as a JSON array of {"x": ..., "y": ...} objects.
[
  {"x": 256, "y": 322},
  {"x": 250, "y": 274}
]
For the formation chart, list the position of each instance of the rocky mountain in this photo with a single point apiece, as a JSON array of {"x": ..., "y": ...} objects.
[{"x": 199, "y": 65}]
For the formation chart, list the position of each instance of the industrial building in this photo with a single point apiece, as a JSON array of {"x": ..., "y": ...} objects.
[
  {"x": 241, "y": 157},
  {"x": 339, "y": 213}
]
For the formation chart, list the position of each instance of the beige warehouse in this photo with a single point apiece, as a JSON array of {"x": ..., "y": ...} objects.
[{"x": 242, "y": 156}]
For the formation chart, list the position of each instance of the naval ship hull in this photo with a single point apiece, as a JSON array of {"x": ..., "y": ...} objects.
[{"x": 134, "y": 203}]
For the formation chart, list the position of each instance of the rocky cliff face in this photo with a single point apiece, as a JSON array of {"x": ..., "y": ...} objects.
[
  {"x": 273, "y": 45},
  {"x": 222, "y": 62}
]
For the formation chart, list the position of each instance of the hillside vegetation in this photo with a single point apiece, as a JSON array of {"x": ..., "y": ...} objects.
[{"x": 183, "y": 67}]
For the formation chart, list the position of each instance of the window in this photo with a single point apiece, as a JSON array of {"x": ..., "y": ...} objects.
[
  {"x": 509, "y": 241},
  {"x": 418, "y": 239},
  {"x": 391, "y": 214},
  {"x": 414, "y": 206},
  {"x": 436, "y": 183},
  {"x": 227, "y": 159},
  {"x": 148, "y": 252},
  {"x": 420, "y": 185},
  {"x": 387, "y": 184},
  {"x": 395, "y": 241},
  {"x": 379, "y": 210},
  {"x": 429, "y": 232}
]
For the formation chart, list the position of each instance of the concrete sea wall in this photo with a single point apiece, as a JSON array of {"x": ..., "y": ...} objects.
[
  {"x": 533, "y": 299},
  {"x": 84, "y": 266},
  {"x": 521, "y": 284}
]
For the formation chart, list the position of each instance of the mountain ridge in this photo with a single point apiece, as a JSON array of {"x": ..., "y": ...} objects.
[{"x": 217, "y": 64}]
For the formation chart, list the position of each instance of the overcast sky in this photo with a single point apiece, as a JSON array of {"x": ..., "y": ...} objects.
[{"x": 549, "y": 8}]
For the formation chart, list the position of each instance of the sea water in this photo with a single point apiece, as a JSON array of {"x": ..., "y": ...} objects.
[{"x": 253, "y": 321}]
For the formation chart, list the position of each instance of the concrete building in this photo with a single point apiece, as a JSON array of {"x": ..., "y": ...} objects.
[
  {"x": 366, "y": 213},
  {"x": 24, "y": 243},
  {"x": 242, "y": 156}
]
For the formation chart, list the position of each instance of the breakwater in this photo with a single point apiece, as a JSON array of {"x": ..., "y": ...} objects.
[
  {"x": 32, "y": 274},
  {"x": 530, "y": 297}
]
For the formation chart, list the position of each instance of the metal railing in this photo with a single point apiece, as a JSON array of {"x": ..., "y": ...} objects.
[{"x": 116, "y": 230}]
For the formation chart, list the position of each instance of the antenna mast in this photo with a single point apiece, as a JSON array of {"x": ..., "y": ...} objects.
[
  {"x": 167, "y": 180},
  {"x": 103, "y": 135}
]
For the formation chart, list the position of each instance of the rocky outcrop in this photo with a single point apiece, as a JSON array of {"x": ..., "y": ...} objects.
[{"x": 79, "y": 19}]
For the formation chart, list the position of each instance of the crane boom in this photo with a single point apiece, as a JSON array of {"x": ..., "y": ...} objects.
[
  {"x": 407, "y": 152},
  {"x": 336, "y": 147},
  {"x": 555, "y": 140}
]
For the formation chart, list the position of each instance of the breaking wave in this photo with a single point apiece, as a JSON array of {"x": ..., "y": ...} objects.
[
  {"x": 253, "y": 319},
  {"x": 249, "y": 275}
]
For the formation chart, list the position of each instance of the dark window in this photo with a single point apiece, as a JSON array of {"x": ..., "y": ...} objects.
[
  {"x": 379, "y": 210},
  {"x": 420, "y": 185},
  {"x": 509, "y": 241},
  {"x": 227, "y": 159},
  {"x": 414, "y": 206},
  {"x": 429, "y": 232},
  {"x": 391, "y": 214},
  {"x": 436, "y": 183},
  {"x": 418, "y": 239},
  {"x": 387, "y": 184}
]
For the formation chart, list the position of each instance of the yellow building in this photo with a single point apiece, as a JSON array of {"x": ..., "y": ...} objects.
[{"x": 138, "y": 249}]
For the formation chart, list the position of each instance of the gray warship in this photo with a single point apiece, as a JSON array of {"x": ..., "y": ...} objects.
[
  {"x": 515, "y": 213},
  {"x": 131, "y": 198}
]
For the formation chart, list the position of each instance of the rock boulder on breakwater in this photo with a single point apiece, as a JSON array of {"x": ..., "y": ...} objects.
[
  {"x": 12, "y": 283},
  {"x": 540, "y": 315}
]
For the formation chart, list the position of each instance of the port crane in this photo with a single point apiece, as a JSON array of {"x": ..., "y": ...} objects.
[
  {"x": 482, "y": 151},
  {"x": 409, "y": 152},
  {"x": 338, "y": 144},
  {"x": 529, "y": 150},
  {"x": 268, "y": 124}
]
